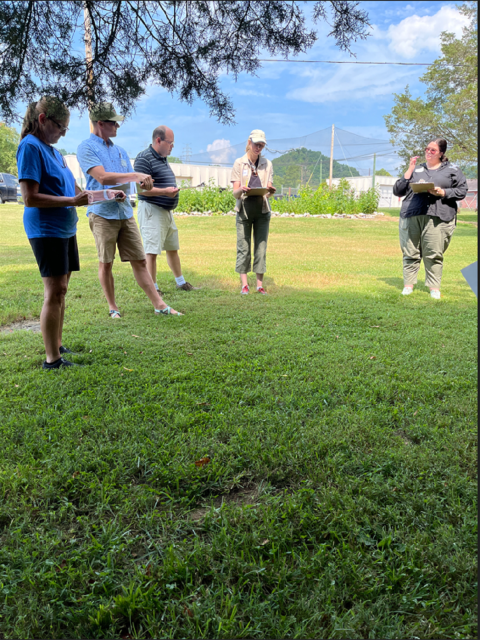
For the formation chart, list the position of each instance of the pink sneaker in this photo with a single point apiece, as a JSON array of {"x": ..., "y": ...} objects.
[
  {"x": 245, "y": 290},
  {"x": 261, "y": 290}
]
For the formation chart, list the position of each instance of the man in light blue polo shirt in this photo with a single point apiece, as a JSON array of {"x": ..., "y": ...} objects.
[{"x": 111, "y": 221}]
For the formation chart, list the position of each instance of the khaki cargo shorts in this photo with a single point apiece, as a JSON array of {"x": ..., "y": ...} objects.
[
  {"x": 158, "y": 228},
  {"x": 109, "y": 233}
]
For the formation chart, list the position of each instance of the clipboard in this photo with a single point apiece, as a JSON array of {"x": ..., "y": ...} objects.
[
  {"x": 257, "y": 192},
  {"x": 422, "y": 187},
  {"x": 470, "y": 274}
]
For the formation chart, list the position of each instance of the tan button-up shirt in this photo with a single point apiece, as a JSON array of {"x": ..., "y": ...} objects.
[{"x": 241, "y": 172}]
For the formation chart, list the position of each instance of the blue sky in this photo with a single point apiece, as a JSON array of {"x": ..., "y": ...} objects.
[{"x": 288, "y": 100}]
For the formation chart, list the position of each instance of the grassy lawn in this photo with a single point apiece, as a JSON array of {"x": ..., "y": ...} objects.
[
  {"x": 298, "y": 465},
  {"x": 464, "y": 215}
]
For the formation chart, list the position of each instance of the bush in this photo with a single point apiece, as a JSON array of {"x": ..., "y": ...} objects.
[
  {"x": 209, "y": 198},
  {"x": 338, "y": 199}
]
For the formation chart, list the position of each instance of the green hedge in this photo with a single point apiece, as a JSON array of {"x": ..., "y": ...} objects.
[{"x": 338, "y": 199}]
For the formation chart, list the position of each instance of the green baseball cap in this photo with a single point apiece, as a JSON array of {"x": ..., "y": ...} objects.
[{"x": 104, "y": 111}]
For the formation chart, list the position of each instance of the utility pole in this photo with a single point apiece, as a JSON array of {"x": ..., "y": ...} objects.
[
  {"x": 187, "y": 152},
  {"x": 331, "y": 157},
  {"x": 320, "y": 171},
  {"x": 88, "y": 58},
  {"x": 374, "y": 162}
]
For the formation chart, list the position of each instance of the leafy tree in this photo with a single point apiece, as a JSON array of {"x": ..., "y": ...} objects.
[
  {"x": 382, "y": 172},
  {"x": 302, "y": 166},
  {"x": 9, "y": 140},
  {"x": 67, "y": 153},
  {"x": 182, "y": 45},
  {"x": 449, "y": 109}
]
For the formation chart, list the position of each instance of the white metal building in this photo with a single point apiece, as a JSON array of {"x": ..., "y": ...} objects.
[
  {"x": 384, "y": 183},
  {"x": 189, "y": 174}
]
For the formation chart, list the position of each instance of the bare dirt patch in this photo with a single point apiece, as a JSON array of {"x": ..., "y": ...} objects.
[
  {"x": 21, "y": 325},
  {"x": 248, "y": 495}
]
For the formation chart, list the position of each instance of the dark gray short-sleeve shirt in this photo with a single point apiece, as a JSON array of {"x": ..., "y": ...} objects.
[{"x": 157, "y": 166}]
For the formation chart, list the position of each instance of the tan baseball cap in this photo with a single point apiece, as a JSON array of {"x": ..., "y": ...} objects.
[
  {"x": 258, "y": 135},
  {"x": 104, "y": 111}
]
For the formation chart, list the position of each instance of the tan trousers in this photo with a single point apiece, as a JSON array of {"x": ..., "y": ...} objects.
[{"x": 427, "y": 238}]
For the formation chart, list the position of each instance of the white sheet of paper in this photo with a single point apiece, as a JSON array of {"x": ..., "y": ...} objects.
[{"x": 470, "y": 274}]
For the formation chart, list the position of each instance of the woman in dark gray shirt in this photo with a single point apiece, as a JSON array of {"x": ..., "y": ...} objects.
[{"x": 427, "y": 220}]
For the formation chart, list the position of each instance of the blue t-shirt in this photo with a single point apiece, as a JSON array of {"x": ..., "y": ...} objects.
[
  {"x": 95, "y": 152},
  {"x": 38, "y": 161}
]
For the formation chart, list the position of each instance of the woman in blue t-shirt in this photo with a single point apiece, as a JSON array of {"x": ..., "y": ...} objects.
[{"x": 50, "y": 219}]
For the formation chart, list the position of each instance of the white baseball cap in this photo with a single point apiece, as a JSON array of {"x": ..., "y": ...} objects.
[{"x": 258, "y": 135}]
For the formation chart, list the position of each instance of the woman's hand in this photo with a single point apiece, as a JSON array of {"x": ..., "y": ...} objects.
[
  {"x": 80, "y": 199},
  {"x": 411, "y": 167},
  {"x": 437, "y": 192}
]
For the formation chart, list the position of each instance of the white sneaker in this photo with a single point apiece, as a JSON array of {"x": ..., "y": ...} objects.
[
  {"x": 407, "y": 291},
  {"x": 435, "y": 294}
]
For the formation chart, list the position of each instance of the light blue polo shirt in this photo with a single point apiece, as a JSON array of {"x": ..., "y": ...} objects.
[{"x": 95, "y": 152}]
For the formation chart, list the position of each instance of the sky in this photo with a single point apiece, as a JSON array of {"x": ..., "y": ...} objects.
[{"x": 287, "y": 100}]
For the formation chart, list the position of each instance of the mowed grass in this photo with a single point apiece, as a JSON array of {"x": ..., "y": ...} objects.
[{"x": 333, "y": 423}]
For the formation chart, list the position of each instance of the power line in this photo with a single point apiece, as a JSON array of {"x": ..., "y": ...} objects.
[{"x": 404, "y": 64}]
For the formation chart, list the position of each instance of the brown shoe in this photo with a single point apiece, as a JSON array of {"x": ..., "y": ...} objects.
[{"x": 186, "y": 286}]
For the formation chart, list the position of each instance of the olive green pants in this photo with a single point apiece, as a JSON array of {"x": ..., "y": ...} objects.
[
  {"x": 427, "y": 238},
  {"x": 250, "y": 218}
]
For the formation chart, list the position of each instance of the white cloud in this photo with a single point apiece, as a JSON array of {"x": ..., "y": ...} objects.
[
  {"x": 350, "y": 83},
  {"x": 416, "y": 33},
  {"x": 220, "y": 151}
]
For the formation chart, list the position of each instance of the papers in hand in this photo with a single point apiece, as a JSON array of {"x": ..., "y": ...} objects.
[
  {"x": 422, "y": 187},
  {"x": 104, "y": 195},
  {"x": 257, "y": 192}
]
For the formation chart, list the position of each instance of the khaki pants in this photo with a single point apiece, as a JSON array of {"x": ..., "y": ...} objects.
[
  {"x": 250, "y": 219},
  {"x": 424, "y": 237}
]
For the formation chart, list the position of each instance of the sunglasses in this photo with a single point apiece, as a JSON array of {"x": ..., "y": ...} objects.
[
  {"x": 430, "y": 150},
  {"x": 60, "y": 126},
  {"x": 112, "y": 122}
]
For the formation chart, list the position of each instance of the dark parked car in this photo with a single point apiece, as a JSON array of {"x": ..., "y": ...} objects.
[{"x": 8, "y": 188}]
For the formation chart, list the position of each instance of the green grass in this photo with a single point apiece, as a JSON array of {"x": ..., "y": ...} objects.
[
  {"x": 340, "y": 422},
  {"x": 464, "y": 215}
]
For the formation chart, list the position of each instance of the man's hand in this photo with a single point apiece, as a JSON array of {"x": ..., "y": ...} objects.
[
  {"x": 144, "y": 180},
  {"x": 170, "y": 192},
  {"x": 271, "y": 189},
  {"x": 115, "y": 194}
]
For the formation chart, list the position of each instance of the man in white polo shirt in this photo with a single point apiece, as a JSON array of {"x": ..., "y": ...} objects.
[{"x": 155, "y": 207}]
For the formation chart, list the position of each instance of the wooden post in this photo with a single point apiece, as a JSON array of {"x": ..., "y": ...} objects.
[
  {"x": 88, "y": 58},
  {"x": 374, "y": 163},
  {"x": 331, "y": 157}
]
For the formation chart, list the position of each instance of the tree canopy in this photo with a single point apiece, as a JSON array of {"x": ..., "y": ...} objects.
[
  {"x": 182, "y": 45},
  {"x": 9, "y": 139},
  {"x": 449, "y": 109},
  {"x": 302, "y": 166}
]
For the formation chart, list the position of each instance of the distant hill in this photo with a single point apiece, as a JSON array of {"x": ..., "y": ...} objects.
[{"x": 295, "y": 167}]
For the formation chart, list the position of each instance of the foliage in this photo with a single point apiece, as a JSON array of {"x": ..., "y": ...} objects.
[
  {"x": 340, "y": 500},
  {"x": 450, "y": 107},
  {"x": 183, "y": 46},
  {"x": 64, "y": 152},
  {"x": 338, "y": 199},
  {"x": 208, "y": 198},
  {"x": 382, "y": 172},
  {"x": 302, "y": 166},
  {"x": 9, "y": 140}
]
